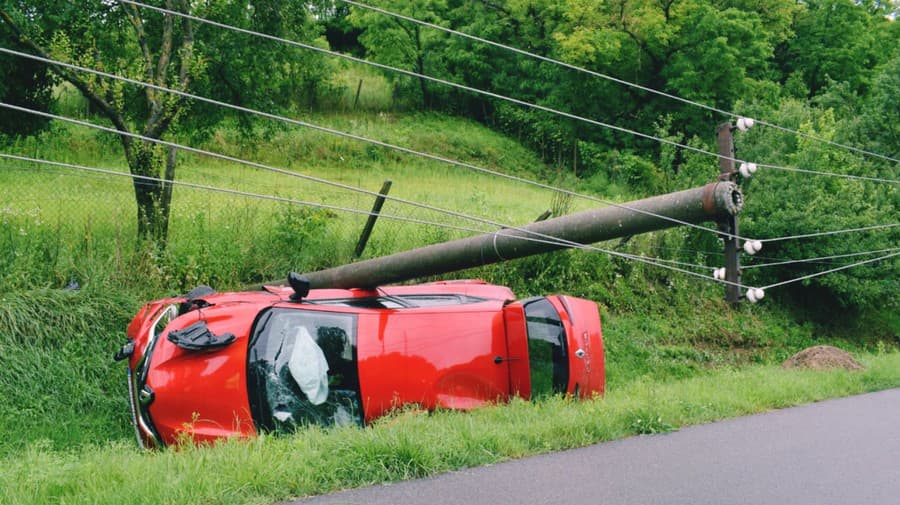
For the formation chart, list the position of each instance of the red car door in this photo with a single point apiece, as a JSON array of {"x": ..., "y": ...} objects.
[
  {"x": 436, "y": 357},
  {"x": 564, "y": 349}
]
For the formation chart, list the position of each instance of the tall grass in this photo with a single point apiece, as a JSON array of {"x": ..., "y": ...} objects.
[{"x": 58, "y": 380}]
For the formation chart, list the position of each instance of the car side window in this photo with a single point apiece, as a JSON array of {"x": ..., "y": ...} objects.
[{"x": 547, "y": 348}]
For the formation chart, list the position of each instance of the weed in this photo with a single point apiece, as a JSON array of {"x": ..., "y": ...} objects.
[{"x": 649, "y": 423}]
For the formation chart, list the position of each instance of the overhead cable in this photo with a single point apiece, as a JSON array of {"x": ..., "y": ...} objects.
[
  {"x": 605, "y": 76},
  {"x": 145, "y": 179},
  {"x": 233, "y": 159},
  {"x": 830, "y": 174},
  {"x": 819, "y": 259},
  {"x": 438, "y": 80},
  {"x": 818, "y": 274},
  {"x": 834, "y": 232},
  {"x": 543, "y": 238},
  {"x": 537, "y": 237},
  {"x": 671, "y": 262},
  {"x": 332, "y": 131},
  {"x": 475, "y": 90}
]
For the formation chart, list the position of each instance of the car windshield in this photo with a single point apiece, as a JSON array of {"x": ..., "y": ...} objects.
[{"x": 301, "y": 370}]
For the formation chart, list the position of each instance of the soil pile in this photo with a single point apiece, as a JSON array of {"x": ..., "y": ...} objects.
[{"x": 822, "y": 357}]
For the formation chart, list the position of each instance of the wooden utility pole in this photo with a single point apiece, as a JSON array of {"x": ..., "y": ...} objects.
[
  {"x": 729, "y": 223},
  {"x": 713, "y": 202}
]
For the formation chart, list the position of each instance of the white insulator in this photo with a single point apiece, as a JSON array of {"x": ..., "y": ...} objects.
[
  {"x": 755, "y": 294},
  {"x": 745, "y": 123},
  {"x": 747, "y": 169},
  {"x": 719, "y": 274},
  {"x": 752, "y": 247}
]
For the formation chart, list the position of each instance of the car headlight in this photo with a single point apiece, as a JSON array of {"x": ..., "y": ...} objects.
[{"x": 140, "y": 394}]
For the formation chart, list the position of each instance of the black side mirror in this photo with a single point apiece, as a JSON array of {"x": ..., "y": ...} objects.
[{"x": 299, "y": 284}]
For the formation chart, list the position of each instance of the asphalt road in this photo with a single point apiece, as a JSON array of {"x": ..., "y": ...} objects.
[{"x": 844, "y": 451}]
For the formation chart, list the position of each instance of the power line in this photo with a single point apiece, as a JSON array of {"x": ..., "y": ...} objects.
[
  {"x": 146, "y": 179},
  {"x": 775, "y": 261},
  {"x": 543, "y": 238},
  {"x": 830, "y": 174},
  {"x": 605, "y": 76},
  {"x": 237, "y": 160},
  {"x": 805, "y": 277},
  {"x": 346, "y": 135},
  {"x": 438, "y": 80},
  {"x": 474, "y": 90},
  {"x": 835, "y": 232},
  {"x": 819, "y": 259},
  {"x": 547, "y": 239},
  {"x": 671, "y": 262}
]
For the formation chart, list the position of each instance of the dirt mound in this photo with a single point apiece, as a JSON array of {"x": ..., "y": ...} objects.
[{"x": 822, "y": 357}]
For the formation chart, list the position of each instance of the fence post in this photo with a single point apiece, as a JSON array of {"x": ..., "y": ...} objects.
[{"x": 370, "y": 223}]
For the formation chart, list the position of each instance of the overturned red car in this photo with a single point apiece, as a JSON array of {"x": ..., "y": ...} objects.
[{"x": 209, "y": 365}]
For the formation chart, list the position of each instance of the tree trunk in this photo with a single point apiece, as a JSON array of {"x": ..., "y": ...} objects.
[{"x": 153, "y": 197}]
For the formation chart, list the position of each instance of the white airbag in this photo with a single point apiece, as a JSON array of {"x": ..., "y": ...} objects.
[{"x": 309, "y": 367}]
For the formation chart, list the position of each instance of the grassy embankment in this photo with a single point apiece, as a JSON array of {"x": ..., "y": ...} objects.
[{"x": 676, "y": 354}]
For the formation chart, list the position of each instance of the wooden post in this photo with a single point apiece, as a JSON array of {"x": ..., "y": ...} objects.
[
  {"x": 358, "y": 89},
  {"x": 370, "y": 223}
]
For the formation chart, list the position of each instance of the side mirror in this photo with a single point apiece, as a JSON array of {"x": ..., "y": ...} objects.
[{"x": 299, "y": 284}]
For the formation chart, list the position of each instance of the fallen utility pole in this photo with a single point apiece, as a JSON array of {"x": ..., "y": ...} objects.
[{"x": 712, "y": 202}]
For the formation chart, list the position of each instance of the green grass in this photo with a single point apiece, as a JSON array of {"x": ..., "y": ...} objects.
[{"x": 410, "y": 445}]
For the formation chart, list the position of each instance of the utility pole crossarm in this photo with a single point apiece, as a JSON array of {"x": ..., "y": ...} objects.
[{"x": 712, "y": 202}]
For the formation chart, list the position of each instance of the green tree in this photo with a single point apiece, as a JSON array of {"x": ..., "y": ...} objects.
[
  {"x": 709, "y": 51},
  {"x": 26, "y": 84},
  {"x": 839, "y": 41},
  {"x": 110, "y": 35},
  {"x": 172, "y": 51},
  {"x": 403, "y": 44},
  {"x": 788, "y": 204},
  {"x": 879, "y": 127}
]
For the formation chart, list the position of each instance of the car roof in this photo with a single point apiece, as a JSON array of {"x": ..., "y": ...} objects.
[{"x": 441, "y": 293}]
